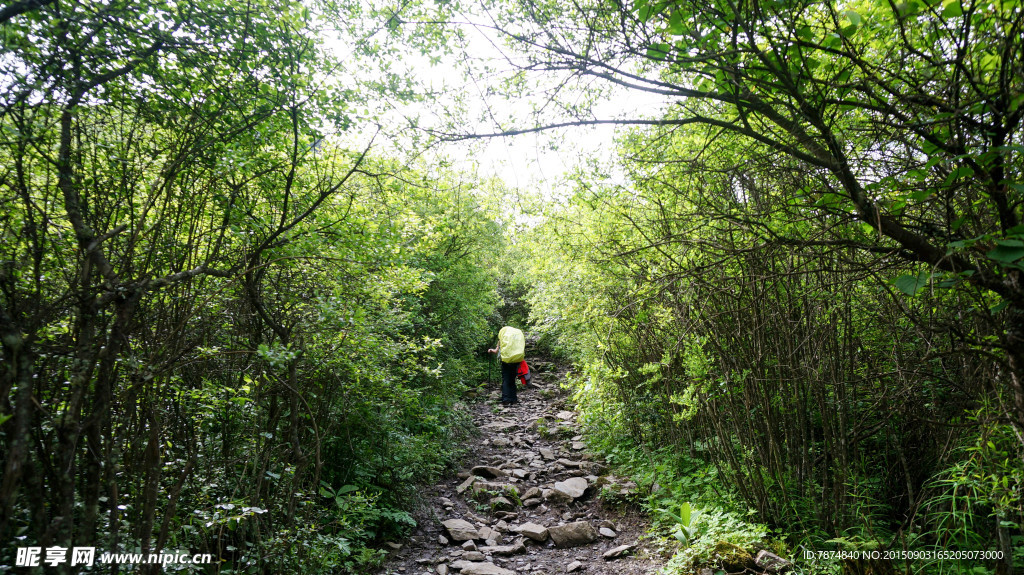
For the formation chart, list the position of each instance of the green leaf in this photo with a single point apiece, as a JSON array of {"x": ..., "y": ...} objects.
[
  {"x": 684, "y": 513},
  {"x": 959, "y": 173},
  {"x": 909, "y": 284},
  {"x": 922, "y": 195},
  {"x": 952, "y": 9},
  {"x": 658, "y": 51},
  {"x": 1005, "y": 252},
  {"x": 676, "y": 25}
]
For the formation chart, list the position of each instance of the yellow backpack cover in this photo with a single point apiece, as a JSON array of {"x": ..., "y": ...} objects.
[{"x": 512, "y": 344}]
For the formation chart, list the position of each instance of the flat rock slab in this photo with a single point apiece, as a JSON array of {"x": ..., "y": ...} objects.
[
  {"x": 573, "y": 534},
  {"x": 555, "y": 496},
  {"x": 474, "y": 568},
  {"x": 488, "y": 534},
  {"x": 501, "y": 504},
  {"x": 466, "y": 484},
  {"x": 512, "y": 549},
  {"x": 618, "y": 552},
  {"x": 771, "y": 562},
  {"x": 480, "y": 486},
  {"x": 536, "y": 532},
  {"x": 564, "y": 415},
  {"x": 460, "y": 529},
  {"x": 488, "y": 472},
  {"x": 574, "y": 487}
]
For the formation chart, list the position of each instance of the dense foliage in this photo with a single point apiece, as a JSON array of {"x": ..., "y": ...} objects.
[
  {"x": 227, "y": 328},
  {"x": 223, "y": 332},
  {"x": 811, "y": 278}
]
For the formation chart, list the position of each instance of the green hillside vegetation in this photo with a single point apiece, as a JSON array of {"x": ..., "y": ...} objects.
[
  {"x": 223, "y": 331},
  {"x": 236, "y": 320}
]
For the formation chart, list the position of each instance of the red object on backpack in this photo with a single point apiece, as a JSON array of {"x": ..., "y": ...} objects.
[{"x": 524, "y": 373}]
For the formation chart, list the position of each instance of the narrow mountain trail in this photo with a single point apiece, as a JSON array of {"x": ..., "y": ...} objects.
[{"x": 527, "y": 502}]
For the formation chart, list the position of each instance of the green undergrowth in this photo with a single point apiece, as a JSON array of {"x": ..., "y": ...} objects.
[
  {"x": 690, "y": 514},
  {"x": 698, "y": 521}
]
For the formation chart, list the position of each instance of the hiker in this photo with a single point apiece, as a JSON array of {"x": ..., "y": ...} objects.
[{"x": 512, "y": 351}]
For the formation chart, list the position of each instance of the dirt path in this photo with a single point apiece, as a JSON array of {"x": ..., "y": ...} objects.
[{"x": 527, "y": 500}]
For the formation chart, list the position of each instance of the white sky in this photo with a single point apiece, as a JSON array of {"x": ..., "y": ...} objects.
[{"x": 535, "y": 161}]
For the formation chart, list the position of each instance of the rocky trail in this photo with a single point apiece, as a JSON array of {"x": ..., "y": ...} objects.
[{"x": 527, "y": 501}]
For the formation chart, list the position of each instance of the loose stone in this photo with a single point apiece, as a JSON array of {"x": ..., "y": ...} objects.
[
  {"x": 536, "y": 532},
  {"x": 572, "y": 534},
  {"x": 460, "y": 529}
]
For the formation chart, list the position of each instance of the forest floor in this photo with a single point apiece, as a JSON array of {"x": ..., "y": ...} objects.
[{"x": 527, "y": 500}]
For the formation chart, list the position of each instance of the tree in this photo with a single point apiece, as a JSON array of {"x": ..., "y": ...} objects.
[
  {"x": 144, "y": 146},
  {"x": 904, "y": 117}
]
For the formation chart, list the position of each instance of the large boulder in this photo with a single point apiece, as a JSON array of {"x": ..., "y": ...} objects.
[
  {"x": 573, "y": 534},
  {"x": 460, "y": 529}
]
